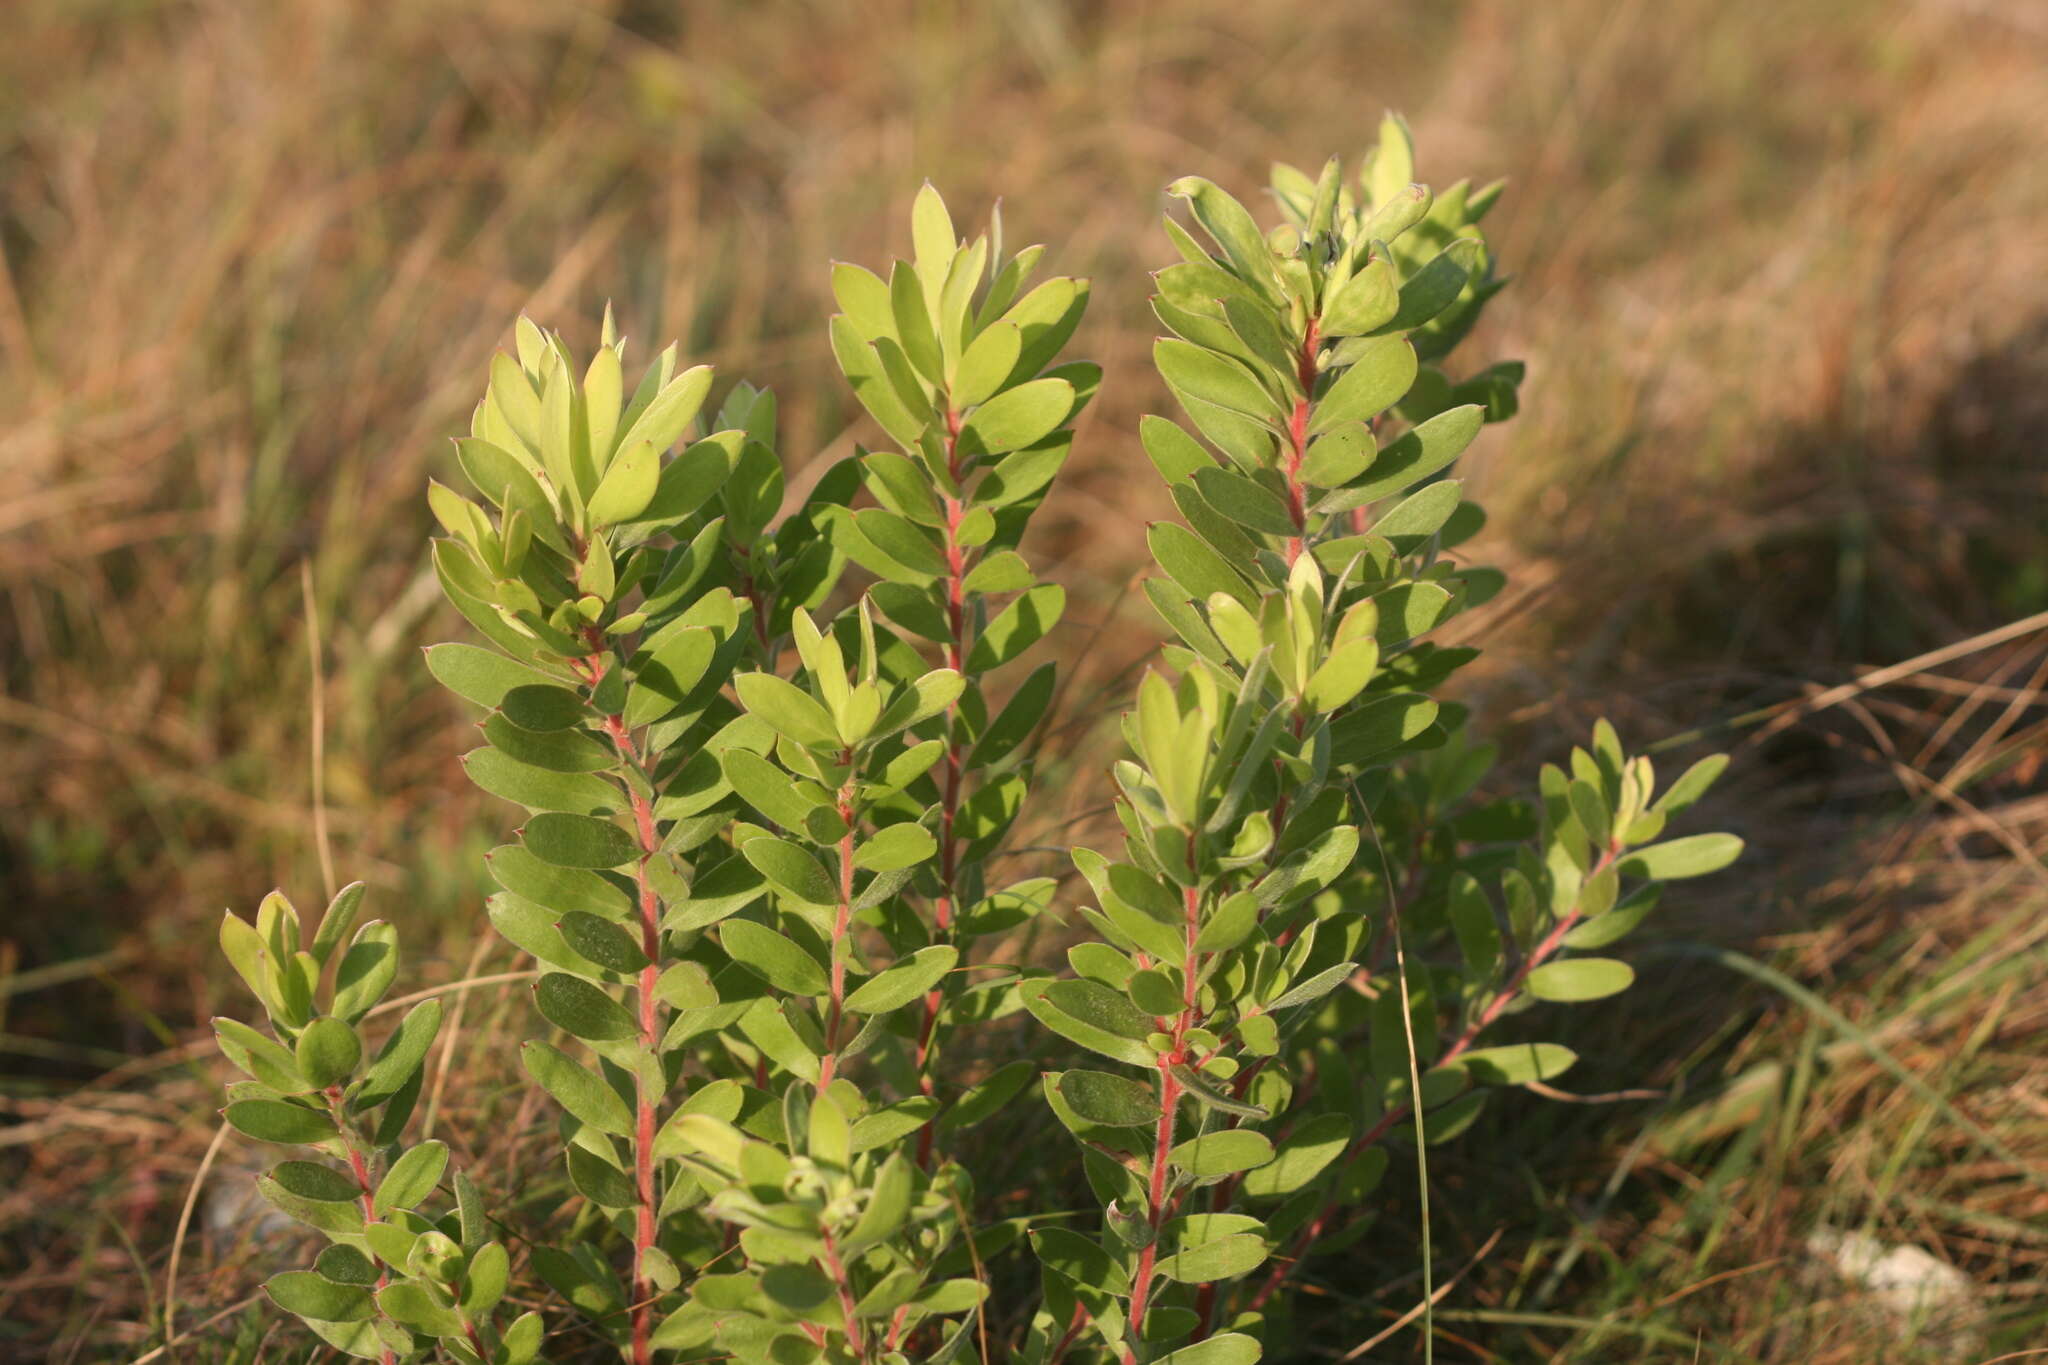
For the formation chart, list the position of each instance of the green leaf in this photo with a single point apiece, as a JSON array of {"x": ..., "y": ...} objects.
[
  {"x": 1516, "y": 1063},
  {"x": 1017, "y": 721},
  {"x": 933, "y": 243},
  {"x": 891, "y": 1123},
  {"x": 1199, "y": 570},
  {"x": 577, "y": 841},
  {"x": 402, "y": 1055},
  {"x": 689, "y": 480},
  {"x": 1019, "y": 626},
  {"x": 1380, "y": 726},
  {"x": 506, "y": 481},
  {"x": 1411, "y": 457},
  {"x": 1368, "y": 301},
  {"x": 1153, "y": 992},
  {"x": 1080, "y": 1261},
  {"x": 1091, "y": 1014},
  {"x": 777, "y": 960},
  {"x": 367, "y": 970},
  {"x": 862, "y": 365},
  {"x": 1231, "y": 227},
  {"x": 482, "y": 676},
  {"x": 953, "y": 1296},
  {"x": 1018, "y": 417},
  {"x": 767, "y": 788},
  {"x": 987, "y": 1097},
  {"x": 864, "y": 298},
  {"x": 1691, "y": 785},
  {"x": 895, "y": 848},
  {"x": 988, "y": 361},
  {"x": 410, "y": 1304},
  {"x": 262, "y": 1057},
  {"x": 1432, "y": 289},
  {"x": 601, "y": 941},
  {"x": 327, "y": 1052},
  {"x": 791, "y": 710},
  {"x": 768, "y": 1028},
  {"x": 1244, "y": 501},
  {"x": 901, "y": 540},
  {"x": 1315, "y": 988},
  {"x": 1204, "y": 1091},
  {"x": 792, "y": 869},
  {"x": 922, "y": 698},
  {"x": 1340, "y": 456},
  {"x": 1195, "y": 372},
  {"x": 603, "y": 391},
  {"x": 585, "y": 1096},
  {"x": 1408, "y": 610},
  {"x": 412, "y": 1177},
  {"x": 1583, "y": 978},
  {"x": 904, "y": 982},
  {"x": 582, "y": 1010},
  {"x": 561, "y": 888},
  {"x": 919, "y": 343},
  {"x": 1224, "y": 1152},
  {"x": 665, "y": 679},
  {"x": 540, "y": 789},
  {"x": 1343, "y": 675},
  {"x": 1693, "y": 856},
  {"x": 311, "y": 1180},
  {"x": 1617, "y": 923},
  {"x": 278, "y": 1121},
  {"x": 1231, "y": 1348},
  {"x": 1116, "y": 1101},
  {"x": 563, "y": 751},
  {"x": 1419, "y": 516},
  {"x": 1370, "y": 385},
  {"x": 599, "y": 1181},
  {"x": 1302, "y": 1156},
  {"x": 314, "y": 1296},
  {"x": 346, "y": 1265},
  {"x": 543, "y": 707},
  {"x": 1222, "y": 1259},
  {"x": 1174, "y": 453},
  {"x": 486, "y": 1278},
  {"x": 662, "y": 422},
  {"x": 250, "y": 957},
  {"x": 627, "y": 487}
]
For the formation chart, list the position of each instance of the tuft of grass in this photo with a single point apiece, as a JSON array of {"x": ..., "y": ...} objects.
[{"x": 1781, "y": 287}]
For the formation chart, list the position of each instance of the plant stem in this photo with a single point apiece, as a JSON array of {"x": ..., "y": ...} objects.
[
  {"x": 1297, "y": 440},
  {"x": 1169, "y": 1112},
  {"x": 837, "y": 1269},
  {"x": 842, "y": 925},
  {"x": 955, "y": 654},
  {"x": 645, "y": 1097},
  {"x": 361, "y": 1171}
]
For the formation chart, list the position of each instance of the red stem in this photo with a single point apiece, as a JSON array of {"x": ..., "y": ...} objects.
[
  {"x": 1297, "y": 439},
  {"x": 645, "y": 1100},
  {"x": 842, "y": 924},
  {"x": 1074, "y": 1326},
  {"x": 1169, "y": 1112},
  {"x": 955, "y": 653},
  {"x": 847, "y": 1305},
  {"x": 643, "y": 1119},
  {"x": 362, "y": 1175}
]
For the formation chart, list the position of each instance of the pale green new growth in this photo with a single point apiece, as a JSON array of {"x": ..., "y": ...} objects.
[{"x": 763, "y": 816}]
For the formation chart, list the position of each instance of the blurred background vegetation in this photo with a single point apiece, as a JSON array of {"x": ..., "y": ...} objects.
[{"x": 1783, "y": 291}]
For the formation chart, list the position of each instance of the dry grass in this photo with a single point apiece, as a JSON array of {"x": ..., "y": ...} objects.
[{"x": 1783, "y": 295}]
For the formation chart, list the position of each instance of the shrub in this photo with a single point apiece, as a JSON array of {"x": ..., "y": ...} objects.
[{"x": 760, "y": 870}]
